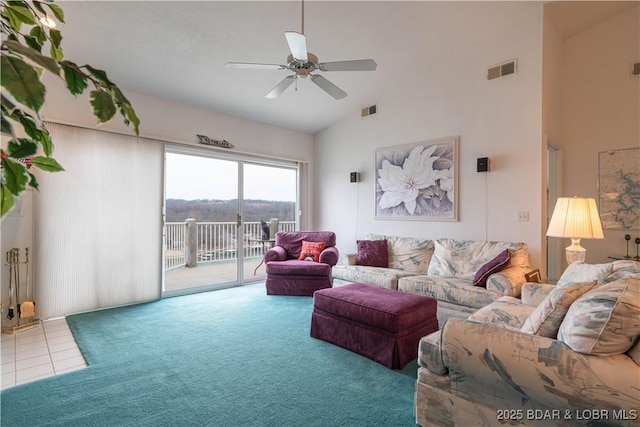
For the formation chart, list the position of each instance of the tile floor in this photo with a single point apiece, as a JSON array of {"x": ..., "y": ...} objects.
[{"x": 40, "y": 352}]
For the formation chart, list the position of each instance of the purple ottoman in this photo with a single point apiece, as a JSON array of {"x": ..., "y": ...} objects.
[{"x": 382, "y": 324}]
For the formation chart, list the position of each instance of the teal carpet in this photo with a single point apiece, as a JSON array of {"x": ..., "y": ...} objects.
[{"x": 234, "y": 357}]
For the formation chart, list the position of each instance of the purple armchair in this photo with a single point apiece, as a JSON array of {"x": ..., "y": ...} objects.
[{"x": 286, "y": 275}]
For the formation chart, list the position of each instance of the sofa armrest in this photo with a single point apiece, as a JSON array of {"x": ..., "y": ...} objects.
[
  {"x": 534, "y": 293},
  {"x": 276, "y": 253},
  {"x": 347, "y": 259},
  {"x": 508, "y": 281},
  {"x": 329, "y": 256},
  {"x": 538, "y": 368}
]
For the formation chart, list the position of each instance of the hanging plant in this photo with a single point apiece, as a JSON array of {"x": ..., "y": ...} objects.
[{"x": 30, "y": 47}]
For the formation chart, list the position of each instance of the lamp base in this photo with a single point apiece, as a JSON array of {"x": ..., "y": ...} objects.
[{"x": 575, "y": 252}]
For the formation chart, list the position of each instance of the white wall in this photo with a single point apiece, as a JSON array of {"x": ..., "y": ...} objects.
[
  {"x": 175, "y": 122},
  {"x": 446, "y": 94},
  {"x": 600, "y": 112}
]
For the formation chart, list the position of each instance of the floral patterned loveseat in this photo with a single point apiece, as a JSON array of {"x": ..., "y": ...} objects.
[{"x": 564, "y": 355}]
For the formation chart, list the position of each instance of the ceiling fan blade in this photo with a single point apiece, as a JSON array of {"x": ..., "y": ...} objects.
[
  {"x": 297, "y": 44},
  {"x": 328, "y": 87},
  {"x": 357, "y": 65},
  {"x": 250, "y": 66},
  {"x": 280, "y": 87}
]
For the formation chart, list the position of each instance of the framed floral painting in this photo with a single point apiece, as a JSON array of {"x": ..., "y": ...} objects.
[{"x": 418, "y": 181}]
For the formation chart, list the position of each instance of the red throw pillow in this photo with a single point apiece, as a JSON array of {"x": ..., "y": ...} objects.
[
  {"x": 311, "y": 251},
  {"x": 373, "y": 253},
  {"x": 493, "y": 266}
]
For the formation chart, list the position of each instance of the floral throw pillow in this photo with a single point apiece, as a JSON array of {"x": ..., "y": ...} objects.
[
  {"x": 546, "y": 319},
  {"x": 373, "y": 253},
  {"x": 311, "y": 251},
  {"x": 580, "y": 272},
  {"x": 606, "y": 320}
]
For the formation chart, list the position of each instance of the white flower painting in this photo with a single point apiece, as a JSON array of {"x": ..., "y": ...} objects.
[{"x": 417, "y": 181}]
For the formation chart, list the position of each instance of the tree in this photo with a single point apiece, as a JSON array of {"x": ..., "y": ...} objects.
[{"x": 31, "y": 46}]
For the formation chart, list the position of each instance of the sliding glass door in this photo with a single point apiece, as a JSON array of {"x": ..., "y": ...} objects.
[
  {"x": 268, "y": 206},
  {"x": 221, "y": 214}
]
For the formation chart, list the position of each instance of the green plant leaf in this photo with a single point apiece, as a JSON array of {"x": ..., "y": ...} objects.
[
  {"x": 17, "y": 15},
  {"x": 39, "y": 34},
  {"x": 103, "y": 105},
  {"x": 48, "y": 164},
  {"x": 57, "y": 11},
  {"x": 33, "y": 182},
  {"x": 55, "y": 36},
  {"x": 99, "y": 74},
  {"x": 56, "y": 53},
  {"x": 7, "y": 129},
  {"x": 33, "y": 55},
  {"x": 76, "y": 82},
  {"x": 7, "y": 104},
  {"x": 14, "y": 175},
  {"x": 32, "y": 42},
  {"x": 6, "y": 200},
  {"x": 21, "y": 148},
  {"x": 22, "y": 82},
  {"x": 130, "y": 115}
]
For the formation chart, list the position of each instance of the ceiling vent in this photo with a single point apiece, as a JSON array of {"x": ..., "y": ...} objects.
[
  {"x": 504, "y": 69},
  {"x": 635, "y": 69},
  {"x": 369, "y": 111}
]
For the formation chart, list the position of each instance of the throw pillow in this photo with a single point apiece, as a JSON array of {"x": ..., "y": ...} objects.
[
  {"x": 311, "y": 251},
  {"x": 606, "y": 320},
  {"x": 373, "y": 253},
  {"x": 493, "y": 266},
  {"x": 547, "y": 317},
  {"x": 580, "y": 272}
]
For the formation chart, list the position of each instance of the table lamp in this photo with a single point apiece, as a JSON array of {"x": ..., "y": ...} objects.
[{"x": 576, "y": 218}]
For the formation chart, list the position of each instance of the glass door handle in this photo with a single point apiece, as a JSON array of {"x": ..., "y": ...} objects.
[{"x": 238, "y": 220}]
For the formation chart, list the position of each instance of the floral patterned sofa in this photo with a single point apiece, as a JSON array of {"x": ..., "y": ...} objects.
[
  {"x": 444, "y": 269},
  {"x": 562, "y": 355}
]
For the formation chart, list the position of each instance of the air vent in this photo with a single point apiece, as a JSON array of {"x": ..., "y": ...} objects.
[
  {"x": 635, "y": 69},
  {"x": 504, "y": 69},
  {"x": 369, "y": 111}
]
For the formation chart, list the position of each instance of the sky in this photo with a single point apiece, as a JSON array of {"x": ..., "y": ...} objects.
[{"x": 192, "y": 177}]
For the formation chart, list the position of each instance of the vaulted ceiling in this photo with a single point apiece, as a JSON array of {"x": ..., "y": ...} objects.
[{"x": 178, "y": 50}]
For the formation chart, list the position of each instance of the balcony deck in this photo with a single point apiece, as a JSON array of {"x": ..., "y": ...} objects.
[{"x": 212, "y": 273}]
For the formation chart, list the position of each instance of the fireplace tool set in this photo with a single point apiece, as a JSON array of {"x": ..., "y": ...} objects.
[{"x": 21, "y": 313}]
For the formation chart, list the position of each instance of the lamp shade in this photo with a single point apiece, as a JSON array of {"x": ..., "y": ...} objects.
[{"x": 575, "y": 217}]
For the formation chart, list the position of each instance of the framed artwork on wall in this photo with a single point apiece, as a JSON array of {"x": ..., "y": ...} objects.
[
  {"x": 619, "y": 189},
  {"x": 418, "y": 181}
]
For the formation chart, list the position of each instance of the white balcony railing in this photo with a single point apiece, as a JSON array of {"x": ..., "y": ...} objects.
[{"x": 215, "y": 241}]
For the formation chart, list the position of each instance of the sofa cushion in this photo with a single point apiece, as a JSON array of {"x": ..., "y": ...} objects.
[
  {"x": 372, "y": 253},
  {"x": 311, "y": 251},
  {"x": 578, "y": 271},
  {"x": 605, "y": 320},
  {"x": 294, "y": 267},
  {"x": 507, "y": 312},
  {"x": 451, "y": 289},
  {"x": 377, "y": 276},
  {"x": 407, "y": 253},
  {"x": 493, "y": 266},
  {"x": 546, "y": 318},
  {"x": 463, "y": 258}
]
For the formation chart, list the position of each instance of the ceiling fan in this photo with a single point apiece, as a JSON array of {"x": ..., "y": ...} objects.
[{"x": 303, "y": 63}]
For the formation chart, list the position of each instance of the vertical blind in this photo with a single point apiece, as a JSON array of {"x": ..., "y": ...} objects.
[{"x": 98, "y": 224}]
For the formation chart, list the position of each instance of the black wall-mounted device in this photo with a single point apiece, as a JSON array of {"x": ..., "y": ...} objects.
[
  {"x": 354, "y": 177},
  {"x": 483, "y": 164}
]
